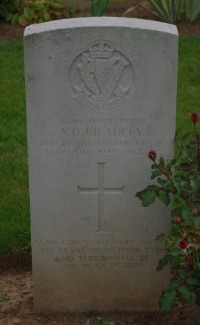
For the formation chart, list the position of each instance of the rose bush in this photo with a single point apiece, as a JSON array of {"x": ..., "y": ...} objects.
[{"x": 179, "y": 179}]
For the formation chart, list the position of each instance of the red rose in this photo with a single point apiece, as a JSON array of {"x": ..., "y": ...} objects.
[
  {"x": 178, "y": 219},
  {"x": 183, "y": 244},
  {"x": 152, "y": 155},
  {"x": 194, "y": 117}
]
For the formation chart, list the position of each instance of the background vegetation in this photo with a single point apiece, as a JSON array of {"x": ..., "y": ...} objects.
[{"x": 25, "y": 12}]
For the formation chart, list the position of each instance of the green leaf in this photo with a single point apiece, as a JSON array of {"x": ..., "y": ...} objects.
[
  {"x": 164, "y": 197},
  {"x": 98, "y": 7},
  {"x": 192, "y": 9},
  {"x": 175, "y": 229},
  {"x": 162, "y": 262},
  {"x": 148, "y": 198},
  {"x": 193, "y": 281},
  {"x": 195, "y": 184},
  {"x": 162, "y": 162},
  {"x": 4, "y": 300},
  {"x": 185, "y": 214},
  {"x": 172, "y": 286},
  {"x": 148, "y": 195},
  {"x": 46, "y": 15},
  {"x": 167, "y": 300},
  {"x": 181, "y": 273},
  {"x": 185, "y": 294},
  {"x": 161, "y": 181},
  {"x": 173, "y": 162},
  {"x": 28, "y": 13},
  {"x": 175, "y": 261},
  {"x": 22, "y": 21},
  {"x": 154, "y": 166},
  {"x": 13, "y": 18},
  {"x": 87, "y": 322},
  {"x": 176, "y": 252},
  {"x": 155, "y": 174}
]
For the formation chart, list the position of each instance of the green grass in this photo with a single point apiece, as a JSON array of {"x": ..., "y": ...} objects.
[
  {"x": 14, "y": 197},
  {"x": 188, "y": 97}
]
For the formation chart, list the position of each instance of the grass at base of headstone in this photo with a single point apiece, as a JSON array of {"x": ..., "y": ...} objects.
[{"x": 14, "y": 197}]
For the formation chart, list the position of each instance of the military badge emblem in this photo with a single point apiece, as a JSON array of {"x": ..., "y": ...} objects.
[{"x": 101, "y": 77}]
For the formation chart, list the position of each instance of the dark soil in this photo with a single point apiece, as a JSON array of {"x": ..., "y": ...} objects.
[{"x": 16, "y": 306}]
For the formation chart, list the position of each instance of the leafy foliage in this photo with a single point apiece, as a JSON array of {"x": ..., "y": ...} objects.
[
  {"x": 180, "y": 179},
  {"x": 98, "y": 7},
  {"x": 192, "y": 9},
  {"x": 172, "y": 10},
  {"x": 25, "y": 12},
  {"x": 167, "y": 10},
  {"x": 6, "y": 7},
  {"x": 167, "y": 300}
]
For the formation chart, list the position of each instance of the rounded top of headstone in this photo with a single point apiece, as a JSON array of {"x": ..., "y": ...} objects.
[{"x": 101, "y": 22}]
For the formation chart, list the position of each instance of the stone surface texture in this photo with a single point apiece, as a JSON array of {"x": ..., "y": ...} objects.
[{"x": 101, "y": 93}]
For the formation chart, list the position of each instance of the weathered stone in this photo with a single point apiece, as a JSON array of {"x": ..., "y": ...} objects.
[{"x": 101, "y": 93}]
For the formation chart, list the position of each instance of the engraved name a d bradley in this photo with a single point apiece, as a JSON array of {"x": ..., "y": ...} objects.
[{"x": 101, "y": 77}]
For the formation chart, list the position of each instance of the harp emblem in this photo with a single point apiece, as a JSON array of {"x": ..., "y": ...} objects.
[{"x": 98, "y": 77}]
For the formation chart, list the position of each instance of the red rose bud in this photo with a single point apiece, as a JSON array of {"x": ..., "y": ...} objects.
[
  {"x": 152, "y": 155},
  {"x": 183, "y": 244},
  {"x": 178, "y": 219},
  {"x": 194, "y": 117}
]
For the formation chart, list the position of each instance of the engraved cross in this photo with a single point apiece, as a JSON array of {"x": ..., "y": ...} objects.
[{"x": 100, "y": 190}]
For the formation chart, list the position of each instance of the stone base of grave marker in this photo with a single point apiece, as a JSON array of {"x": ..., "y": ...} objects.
[{"x": 101, "y": 93}]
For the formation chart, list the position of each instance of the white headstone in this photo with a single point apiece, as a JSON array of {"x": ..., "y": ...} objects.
[{"x": 101, "y": 93}]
